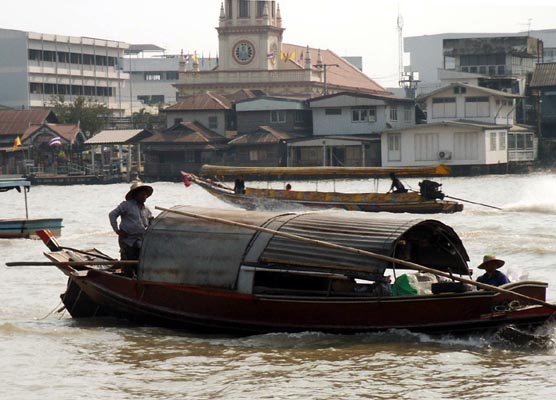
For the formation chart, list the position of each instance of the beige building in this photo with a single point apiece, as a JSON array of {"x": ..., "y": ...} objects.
[{"x": 253, "y": 56}]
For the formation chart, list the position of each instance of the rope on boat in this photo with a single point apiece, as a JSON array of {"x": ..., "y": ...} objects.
[{"x": 57, "y": 308}]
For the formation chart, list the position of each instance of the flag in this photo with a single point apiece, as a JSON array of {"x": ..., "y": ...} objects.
[
  {"x": 17, "y": 143},
  {"x": 291, "y": 56},
  {"x": 186, "y": 180},
  {"x": 55, "y": 141},
  {"x": 270, "y": 55},
  {"x": 288, "y": 56}
]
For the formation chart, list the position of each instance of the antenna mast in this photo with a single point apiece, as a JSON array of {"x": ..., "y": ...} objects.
[{"x": 400, "y": 48}]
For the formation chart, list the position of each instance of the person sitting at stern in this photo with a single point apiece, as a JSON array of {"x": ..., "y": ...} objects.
[{"x": 492, "y": 276}]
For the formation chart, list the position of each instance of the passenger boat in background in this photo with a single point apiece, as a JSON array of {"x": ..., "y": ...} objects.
[
  {"x": 25, "y": 227},
  {"x": 231, "y": 271},
  {"x": 429, "y": 200}
]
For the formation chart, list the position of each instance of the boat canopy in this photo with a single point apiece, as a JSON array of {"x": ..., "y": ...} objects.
[
  {"x": 8, "y": 184},
  {"x": 216, "y": 170},
  {"x": 187, "y": 250}
]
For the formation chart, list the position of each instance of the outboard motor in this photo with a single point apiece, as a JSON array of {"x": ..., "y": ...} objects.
[{"x": 431, "y": 189}]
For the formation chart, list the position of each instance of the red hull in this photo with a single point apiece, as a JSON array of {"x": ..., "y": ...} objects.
[{"x": 99, "y": 293}]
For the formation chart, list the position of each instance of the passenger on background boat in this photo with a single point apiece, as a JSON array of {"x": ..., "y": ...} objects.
[
  {"x": 397, "y": 186},
  {"x": 239, "y": 186},
  {"x": 492, "y": 276},
  {"x": 135, "y": 218}
]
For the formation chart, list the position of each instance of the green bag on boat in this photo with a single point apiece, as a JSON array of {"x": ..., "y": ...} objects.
[{"x": 402, "y": 287}]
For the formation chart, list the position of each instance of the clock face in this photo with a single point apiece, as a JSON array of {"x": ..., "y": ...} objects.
[{"x": 244, "y": 52}]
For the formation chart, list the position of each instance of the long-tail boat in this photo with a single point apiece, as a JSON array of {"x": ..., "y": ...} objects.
[
  {"x": 428, "y": 200},
  {"x": 232, "y": 271},
  {"x": 25, "y": 227}
]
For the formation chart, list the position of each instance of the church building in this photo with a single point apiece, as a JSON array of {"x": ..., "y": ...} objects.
[{"x": 252, "y": 56}]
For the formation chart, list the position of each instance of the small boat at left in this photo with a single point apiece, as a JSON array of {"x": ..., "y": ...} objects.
[{"x": 25, "y": 227}]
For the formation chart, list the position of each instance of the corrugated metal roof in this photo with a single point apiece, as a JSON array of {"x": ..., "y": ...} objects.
[
  {"x": 264, "y": 135},
  {"x": 16, "y": 122},
  {"x": 544, "y": 75},
  {"x": 188, "y": 250},
  {"x": 479, "y": 88},
  {"x": 204, "y": 101},
  {"x": 120, "y": 136},
  {"x": 186, "y": 132}
]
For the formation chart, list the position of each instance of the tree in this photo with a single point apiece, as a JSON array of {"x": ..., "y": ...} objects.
[
  {"x": 91, "y": 115},
  {"x": 146, "y": 120}
]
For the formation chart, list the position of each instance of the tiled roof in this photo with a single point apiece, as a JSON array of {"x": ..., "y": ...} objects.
[
  {"x": 68, "y": 132},
  {"x": 119, "y": 136},
  {"x": 186, "y": 133},
  {"x": 204, "y": 101},
  {"x": 544, "y": 75},
  {"x": 245, "y": 94},
  {"x": 16, "y": 122},
  {"x": 346, "y": 75},
  {"x": 264, "y": 135}
]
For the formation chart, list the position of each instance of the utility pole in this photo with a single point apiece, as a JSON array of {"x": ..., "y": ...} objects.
[
  {"x": 400, "y": 49},
  {"x": 325, "y": 68}
]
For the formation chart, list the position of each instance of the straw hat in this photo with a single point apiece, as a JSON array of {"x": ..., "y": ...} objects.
[
  {"x": 138, "y": 185},
  {"x": 488, "y": 259}
]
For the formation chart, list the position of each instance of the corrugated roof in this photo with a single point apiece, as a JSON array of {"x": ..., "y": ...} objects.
[
  {"x": 187, "y": 132},
  {"x": 68, "y": 132},
  {"x": 204, "y": 101},
  {"x": 16, "y": 122},
  {"x": 544, "y": 75},
  {"x": 120, "y": 136},
  {"x": 264, "y": 135},
  {"x": 345, "y": 75}
]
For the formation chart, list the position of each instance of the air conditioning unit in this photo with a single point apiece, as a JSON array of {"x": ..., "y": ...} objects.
[{"x": 445, "y": 155}]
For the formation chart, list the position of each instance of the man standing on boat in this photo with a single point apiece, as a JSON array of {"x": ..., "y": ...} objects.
[
  {"x": 397, "y": 186},
  {"x": 492, "y": 276},
  {"x": 239, "y": 185},
  {"x": 135, "y": 218}
]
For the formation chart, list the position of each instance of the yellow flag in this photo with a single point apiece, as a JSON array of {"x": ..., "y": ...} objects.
[
  {"x": 17, "y": 143},
  {"x": 284, "y": 56}
]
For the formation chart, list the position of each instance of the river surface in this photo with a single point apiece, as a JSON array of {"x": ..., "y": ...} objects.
[{"x": 45, "y": 354}]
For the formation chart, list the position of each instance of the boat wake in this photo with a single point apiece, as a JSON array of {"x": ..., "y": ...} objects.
[{"x": 539, "y": 207}]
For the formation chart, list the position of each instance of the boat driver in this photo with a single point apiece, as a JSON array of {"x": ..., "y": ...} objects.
[
  {"x": 397, "y": 186},
  {"x": 492, "y": 276},
  {"x": 135, "y": 218}
]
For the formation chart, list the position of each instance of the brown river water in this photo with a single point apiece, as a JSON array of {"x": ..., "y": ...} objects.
[{"x": 45, "y": 354}]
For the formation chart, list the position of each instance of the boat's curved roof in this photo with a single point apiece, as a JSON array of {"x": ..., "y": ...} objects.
[{"x": 187, "y": 250}]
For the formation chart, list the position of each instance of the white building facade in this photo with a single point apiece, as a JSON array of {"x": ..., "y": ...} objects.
[{"x": 34, "y": 67}]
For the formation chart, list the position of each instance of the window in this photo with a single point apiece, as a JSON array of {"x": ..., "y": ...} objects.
[
  {"x": 153, "y": 76},
  {"x": 299, "y": 117},
  {"x": 257, "y": 155},
  {"x": 260, "y": 8},
  {"x": 278, "y": 117},
  {"x": 408, "y": 113},
  {"x": 426, "y": 147},
  {"x": 364, "y": 114},
  {"x": 444, "y": 107},
  {"x": 493, "y": 141},
  {"x": 466, "y": 146},
  {"x": 393, "y": 113},
  {"x": 229, "y": 9},
  {"x": 34, "y": 55},
  {"x": 394, "y": 147},
  {"x": 213, "y": 122},
  {"x": 332, "y": 111},
  {"x": 172, "y": 75},
  {"x": 189, "y": 156},
  {"x": 502, "y": 140},
  {"x": 477, "y": 106},
  {"x": 243, "y": 8}
]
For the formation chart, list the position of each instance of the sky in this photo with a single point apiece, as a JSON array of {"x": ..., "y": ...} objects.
[{"x": 366, "y": 28}]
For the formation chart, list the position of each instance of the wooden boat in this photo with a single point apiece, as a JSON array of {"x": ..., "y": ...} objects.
[
  {"x": 25, "y": 227},
  {"x": 429, "y": 200},
  {"x": 240, "y": 272}
]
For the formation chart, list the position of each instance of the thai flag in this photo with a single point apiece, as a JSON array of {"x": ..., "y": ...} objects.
[
  {"x": 270, "y": 55},
  {"x": 57, "y": 141}
]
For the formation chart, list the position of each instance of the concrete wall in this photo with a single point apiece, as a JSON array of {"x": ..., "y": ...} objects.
[{"x": 13, "y": 69}]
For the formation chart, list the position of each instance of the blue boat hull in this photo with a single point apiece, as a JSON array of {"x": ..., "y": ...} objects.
[{"x": 24, "y": 228}]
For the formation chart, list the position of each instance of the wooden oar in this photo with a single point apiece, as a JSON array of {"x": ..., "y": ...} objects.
[
  {"x": 69, "y": 263},
  {"x": 330, "y": 245}
]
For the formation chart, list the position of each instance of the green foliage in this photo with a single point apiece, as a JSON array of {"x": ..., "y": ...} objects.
[
  {"x": 145, "y": 120},
  {"x": 91, "y": 115}
]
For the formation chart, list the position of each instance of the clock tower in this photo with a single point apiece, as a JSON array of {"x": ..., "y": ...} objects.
[{"x": 249, "y": 35}]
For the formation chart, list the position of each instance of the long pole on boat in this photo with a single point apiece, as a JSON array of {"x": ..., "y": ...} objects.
[
  {"x": 354, "y": 250},
  {"x": 69, "y": 263},
  {"x": 473, "y": 202}
]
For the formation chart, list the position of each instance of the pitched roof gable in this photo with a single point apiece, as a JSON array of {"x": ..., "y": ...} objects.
[
  {"x": 264, "y": 135},
  {"x": 200, "y": 102},
  {"x": 465, "y": 85},
  {"x": 16, "y": 122},
  {"x": 68, "y": 132},
  {"x": 187, "y": 132}
]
